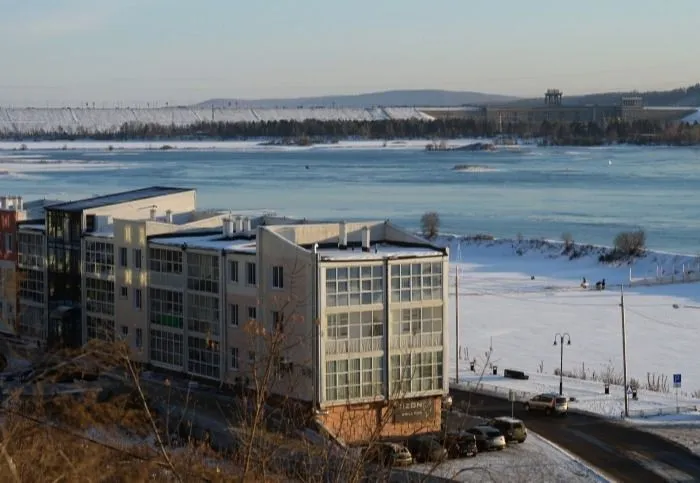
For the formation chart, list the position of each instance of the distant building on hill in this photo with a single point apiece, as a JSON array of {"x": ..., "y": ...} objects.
[{"x": 554, "y": 109}]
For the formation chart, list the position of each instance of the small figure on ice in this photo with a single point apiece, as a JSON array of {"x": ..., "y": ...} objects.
[
  {"x": 600, "y": 285},
  {"x": 584, "y": 283}
]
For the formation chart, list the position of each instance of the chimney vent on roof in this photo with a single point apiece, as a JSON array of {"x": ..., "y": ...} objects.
[
  {"x": 239, "y": 223},
  {"x": 153, "y": 214},
  {"x": 3, "y": 202},
  {"x": 365, "y": 239},
  {"x": 169, "y": 216},
  {"x": 229, "y": 228},
  {"x": 246, "y": 224},
  {"x": 20, "y": 203},
  {"x": 343, "y": 236}
]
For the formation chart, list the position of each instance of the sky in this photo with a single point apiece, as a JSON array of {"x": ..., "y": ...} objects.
[{"x": 112, "y": 52}]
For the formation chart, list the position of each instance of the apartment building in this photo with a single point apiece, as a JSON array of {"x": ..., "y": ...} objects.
[
  {"x": 13, "y": 279},
  {"x": 50, "y": 256},
  {"x": 115, "y": 273},
  {"x": 352, "y": 313}
]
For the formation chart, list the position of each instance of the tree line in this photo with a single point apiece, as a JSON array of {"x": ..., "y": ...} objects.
[{"x": 641, "y": 132}]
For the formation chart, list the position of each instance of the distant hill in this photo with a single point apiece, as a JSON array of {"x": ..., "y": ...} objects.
[
  {"x": 421, "y": 98},
  {"x": 681, "y": 97}
]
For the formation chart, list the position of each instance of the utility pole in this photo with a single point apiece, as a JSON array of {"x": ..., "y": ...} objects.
[
  {"x": 456, "y": 325},
  {"x": 624, "y": 348}
]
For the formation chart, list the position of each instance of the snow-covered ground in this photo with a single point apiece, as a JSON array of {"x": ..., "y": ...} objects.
[
  {"x": 535, "y": 460},
  {"x": 694, "y": 117},
  {"x": 73, "y": 120},
  {"x": 514, "y": 296}
]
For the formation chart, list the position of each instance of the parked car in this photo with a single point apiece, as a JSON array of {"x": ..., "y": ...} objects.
[
  {"x": 549, "y": 403},
  {"x": 512, "y": 429},
  {"x": 388, "y": 454},
  {"x": 459, "y": 443},
  {"x": 426, "y": 448},
  {"x": 488, "y": 438}
]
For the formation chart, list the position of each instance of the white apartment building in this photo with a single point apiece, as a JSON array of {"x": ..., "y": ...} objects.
[
  {"x": 68, "y": 257},
  {"x": 362, "y": 308}
]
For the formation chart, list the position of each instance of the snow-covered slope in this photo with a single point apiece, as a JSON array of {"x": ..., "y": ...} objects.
[
  {"x": 76, "y": 120},
  {"x": 694, "y": 117}
]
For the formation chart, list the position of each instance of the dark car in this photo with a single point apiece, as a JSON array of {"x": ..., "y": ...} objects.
[
  {"x": 488, "y": 438},
  {"x": 459, "y": 444},
  {"x": 388, "y": 454},
  {"x": 512, "y": 429},
  {"x": 426, "y": 448}
]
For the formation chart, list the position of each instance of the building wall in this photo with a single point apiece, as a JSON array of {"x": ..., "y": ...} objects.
[
  {"x": 243, "y": 309},
  {"x": 356, "y": 423},
  {"x": 33, "y": 292},
  {"x": 280, "y": 260},
  {"x": 8, "y": 269},
  {"x": 306, "y": 234},
  {"x": 139, "y": 209}
]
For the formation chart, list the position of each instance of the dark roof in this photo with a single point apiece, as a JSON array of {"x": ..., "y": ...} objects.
[{"x": 116, "y": 198}]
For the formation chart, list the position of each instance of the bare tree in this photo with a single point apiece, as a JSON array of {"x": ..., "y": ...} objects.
[
  {"x": 430, "y": 224},
  {"x": 630, "y": 243}
]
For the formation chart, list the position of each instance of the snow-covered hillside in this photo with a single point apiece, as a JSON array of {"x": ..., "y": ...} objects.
[
  {"x": 73, "y": 120},
  {"x": 694, "y": 117}
]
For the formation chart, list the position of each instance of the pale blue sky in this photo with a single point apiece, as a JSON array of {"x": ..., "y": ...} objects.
[{"x": 71, "y": 51}]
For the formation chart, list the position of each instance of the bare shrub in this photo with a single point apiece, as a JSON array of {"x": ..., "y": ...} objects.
[
  {"x": 630, "y": 243},
  {"x": 657, "y": 383},
  {"x": 480, "y": 237},
  {"x": 430, "y": 224}
]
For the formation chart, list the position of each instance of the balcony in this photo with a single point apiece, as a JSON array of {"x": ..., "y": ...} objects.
[
  {"x": 415, "y": 341},
  {"x": 354, "y": 346}
]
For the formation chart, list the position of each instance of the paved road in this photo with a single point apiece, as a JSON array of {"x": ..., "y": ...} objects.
[{"x": 621, "y": 452}]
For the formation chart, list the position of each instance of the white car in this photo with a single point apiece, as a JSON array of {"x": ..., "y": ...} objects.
[{"x": 549, "y": 403}]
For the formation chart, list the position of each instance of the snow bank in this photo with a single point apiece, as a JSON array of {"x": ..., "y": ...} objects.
[
  {"x": 694, "y": 117},
  {"x": 75, "y": 120}
]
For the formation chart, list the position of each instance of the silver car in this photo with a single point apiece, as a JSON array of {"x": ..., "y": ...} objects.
[
  {"x": 488, "y": 438},
  {"x": 549, "y": 403}
]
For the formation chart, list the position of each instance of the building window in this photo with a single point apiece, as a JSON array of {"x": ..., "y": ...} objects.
[
  {"x": 123, "y": 257},
  {"x": 203, "y": 314},
  {"x": 30, "y": 250},
  {"x": 278, "y": 277},
  {"x": 252, "y": 313},
  {"x": 99, "y": 258},
  {"x": 354, "y": 286},
  {"x": 166, "y": 308},
  {"x": 233, "y": 271},
  {"x": 233, "y": 314},
  {"x": 31, "y": 286},
  {"x": 99, "y": 296},
  {"x": 99, "y": 328},
  {"x": 251, "y": 279},
  {"x": 203, "y": 357},
  {"x": 124, "y": 292},
  {"x": 251, "y": 357},
  {"x": 355, "y": 332},
  {"x": 165, "y": 261},
  {"x": 166, "y": 347},
  {"x": 354, "y": 378},
  {"x": 203, "y": 272},
  {"x": 9, "y": 242},
  {"x": 416, "y": 372},
  {"x": 426, "y": 320},
  {"x": 139, "y": 338},
  {"x": 138, "y": 303},
  {"x": 137, "y": 258},
  {"x": 234, "y": 358},
  {"x": 125, "y": 331},
  {"x": 416, "y": 281}
]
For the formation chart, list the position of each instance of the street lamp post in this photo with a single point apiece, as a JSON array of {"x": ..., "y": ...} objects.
[{"x": 565, "y": 337}]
